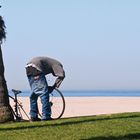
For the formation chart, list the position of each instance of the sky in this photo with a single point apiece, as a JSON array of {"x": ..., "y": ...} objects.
[{"x": 97, "y": 41}]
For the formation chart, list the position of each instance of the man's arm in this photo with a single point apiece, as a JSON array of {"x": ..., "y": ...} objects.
[
  {"x": 58, "y": 81},
  {"x": 57, "y": 84}
]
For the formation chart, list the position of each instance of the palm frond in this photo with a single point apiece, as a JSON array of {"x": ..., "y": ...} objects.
[{"x": 2, "y": 29}]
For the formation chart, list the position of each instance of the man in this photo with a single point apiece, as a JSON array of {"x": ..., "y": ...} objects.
[{"x": 36, "y": 69}]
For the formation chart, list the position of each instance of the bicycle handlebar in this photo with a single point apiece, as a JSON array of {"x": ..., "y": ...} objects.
[{"x": 16, "y": 91}]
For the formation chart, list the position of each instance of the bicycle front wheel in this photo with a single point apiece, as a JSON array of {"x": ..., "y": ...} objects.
[{"x": 57, "y": 103}]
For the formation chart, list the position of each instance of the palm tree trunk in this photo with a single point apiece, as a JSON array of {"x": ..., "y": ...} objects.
[{"x": 5, "y": 112}]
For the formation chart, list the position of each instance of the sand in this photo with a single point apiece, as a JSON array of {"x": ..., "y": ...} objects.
[{"x": 87, "y": 106}]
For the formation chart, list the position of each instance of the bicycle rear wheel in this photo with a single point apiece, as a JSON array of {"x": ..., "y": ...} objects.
[{"x": 57, "y": 103}]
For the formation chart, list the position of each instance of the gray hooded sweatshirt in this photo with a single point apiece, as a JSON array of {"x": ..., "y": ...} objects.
[{"x": 46, "y": 65}]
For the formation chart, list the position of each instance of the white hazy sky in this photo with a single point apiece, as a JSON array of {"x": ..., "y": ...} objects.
[{"x": 97, "y": 41}]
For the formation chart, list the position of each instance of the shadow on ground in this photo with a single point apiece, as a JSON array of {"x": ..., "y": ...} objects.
[
  {"x": 69, "y": 121},
  {"x": 135, "y": 136}
]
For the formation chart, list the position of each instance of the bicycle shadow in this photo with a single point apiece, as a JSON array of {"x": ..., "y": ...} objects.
[
  {"x": 67, "y": 121},
  {"x": 125, "y": 137}
]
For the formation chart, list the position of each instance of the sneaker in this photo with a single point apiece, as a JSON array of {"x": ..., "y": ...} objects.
[
  {"x": 35, "y": 119},
  {"x": 48, "y": 119}
]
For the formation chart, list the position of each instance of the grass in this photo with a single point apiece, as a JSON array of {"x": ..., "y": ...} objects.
[{"x": 125, "y": 126}]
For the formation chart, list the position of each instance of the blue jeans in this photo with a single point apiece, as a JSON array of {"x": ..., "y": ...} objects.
[{"x": 39, "y": 88}]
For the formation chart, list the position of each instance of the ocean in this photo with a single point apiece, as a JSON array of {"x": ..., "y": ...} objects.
[{"x": 91, "y": 93}]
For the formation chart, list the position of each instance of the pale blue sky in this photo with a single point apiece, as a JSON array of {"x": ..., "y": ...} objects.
[{"x": 98, "y": 41}]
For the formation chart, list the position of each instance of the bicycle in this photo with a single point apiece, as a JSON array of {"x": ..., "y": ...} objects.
[{"x": 57, "y": 103}]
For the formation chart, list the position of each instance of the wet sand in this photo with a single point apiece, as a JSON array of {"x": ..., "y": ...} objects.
[{"x": 87, "y": 106}]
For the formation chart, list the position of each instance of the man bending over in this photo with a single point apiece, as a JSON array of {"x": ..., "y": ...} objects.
[{"x": 36, "y": 69}]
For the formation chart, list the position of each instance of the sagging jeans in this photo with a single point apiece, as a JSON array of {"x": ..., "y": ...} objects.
[{"x": 39, "y": 88}]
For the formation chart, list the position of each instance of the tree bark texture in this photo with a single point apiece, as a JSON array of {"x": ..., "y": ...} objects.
[{"x": 5, "y": 111}]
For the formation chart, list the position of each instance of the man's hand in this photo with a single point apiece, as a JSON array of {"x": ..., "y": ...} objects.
[{"x": 51, "y": 88}]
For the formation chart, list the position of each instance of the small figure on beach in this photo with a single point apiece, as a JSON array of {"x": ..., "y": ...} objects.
[{"x": 36, "y": 69}]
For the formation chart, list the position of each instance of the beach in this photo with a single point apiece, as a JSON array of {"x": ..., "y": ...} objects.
[{"x": 90, "y": 106}]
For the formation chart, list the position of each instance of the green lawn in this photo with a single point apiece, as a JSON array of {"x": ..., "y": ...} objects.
[{"x": 124, "y": 126}]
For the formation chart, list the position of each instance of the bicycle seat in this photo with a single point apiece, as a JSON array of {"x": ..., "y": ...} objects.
[{"x": 16, "y": 91}]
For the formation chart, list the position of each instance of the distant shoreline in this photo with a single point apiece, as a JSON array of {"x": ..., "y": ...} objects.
[{"x": 98, "y": 93}]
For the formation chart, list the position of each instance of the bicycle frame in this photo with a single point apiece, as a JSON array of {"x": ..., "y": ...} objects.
[{"x": 17, "y": 107}]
